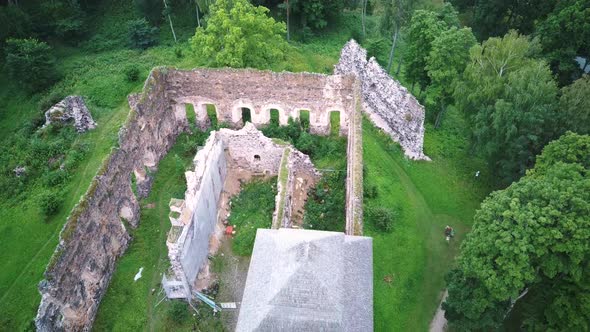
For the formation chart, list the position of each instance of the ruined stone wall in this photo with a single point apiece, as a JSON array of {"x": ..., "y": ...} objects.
[
  {"x": 95, "y": 234},
  {"x": 196, "y": 218},
  {"x": 387, "y": 103},
  {"x": 260, "y": 91}
]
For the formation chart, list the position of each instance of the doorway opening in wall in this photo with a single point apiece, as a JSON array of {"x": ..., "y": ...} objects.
[
  {"x": 191, "y": 115},
  {"x": 334, "y": 123},
  {"x": 246, "y": 115},
  {"x": 304, "y": 120},
  {"x": 274, "y": 117},
  {"x": 211, "y": 114}
]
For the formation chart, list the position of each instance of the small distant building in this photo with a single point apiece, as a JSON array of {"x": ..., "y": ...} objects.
[{"x": 303, "y": 280}]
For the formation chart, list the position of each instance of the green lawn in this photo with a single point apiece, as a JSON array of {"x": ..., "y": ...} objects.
[{"x": 430, "y": 195}]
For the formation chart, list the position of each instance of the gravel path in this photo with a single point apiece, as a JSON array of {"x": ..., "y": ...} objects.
[{"x": 439, "y": 322}]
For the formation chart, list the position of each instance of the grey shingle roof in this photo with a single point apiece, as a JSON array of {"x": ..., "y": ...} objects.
[{"x": 303, "y": 280}]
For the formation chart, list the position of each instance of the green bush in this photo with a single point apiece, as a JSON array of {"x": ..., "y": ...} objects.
[
  {"x": 31, "y": 63},
  {"x": 50, "y": 202},
  {"x": 141, "y": 34},
  {"x": 370, "y": 191},
  {"x": 132, "y": 73},
  {"x": 178, "y": 312},
  {"x": 384, "y": 218}
]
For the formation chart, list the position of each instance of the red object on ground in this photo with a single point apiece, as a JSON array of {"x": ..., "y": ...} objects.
[{"x": 229, "y": 230}]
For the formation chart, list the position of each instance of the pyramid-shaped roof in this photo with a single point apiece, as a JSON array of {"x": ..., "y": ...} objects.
[{"x": 303, "y": 280}]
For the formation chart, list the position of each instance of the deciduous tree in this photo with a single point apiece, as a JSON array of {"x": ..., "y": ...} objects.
[
  {"x": 424, "y": 27},
  {"x": 445, "y": 65},
  {"x": 533, "y": 235},
  {"x": 564, "y": 35},
  {"x": 239, "y": 34},
  {"x": 574, "y": 106},
  {"x": 510, "y": 99},
  {"x": 31, "y": 63}
]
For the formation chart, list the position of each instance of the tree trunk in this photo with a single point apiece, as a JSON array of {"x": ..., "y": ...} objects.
[
  {"x": 399, "y": 66},
  {"x": 440, "y": 116},
  {"x": 392, "y": 52},
  {"x": 197, "y": 10},
  {"x": 170, "y": 20},
  {"x": 412, "y": 90},
  {"x": 363, "y": 14},
  {"x": 288, "y": 28}
]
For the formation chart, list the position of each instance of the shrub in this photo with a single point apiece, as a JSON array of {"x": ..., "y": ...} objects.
[
  {"x": 31, "y": 63},
  {"x": 376, "y": 47},
  {"x": 50, "y": 202},
  {"x": 370, "y": 191},
  {"x": 141, "y": 34},
  {"x": 178, "y": 312},
  {"x": 132, "y": 73},
  {"x": 305, "y": 143},
  {"x": 384, "y": 218}
]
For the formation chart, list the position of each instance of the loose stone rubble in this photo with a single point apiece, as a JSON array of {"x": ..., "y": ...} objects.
[
  {"x": 71, "y": 108},
  {"x": 389, "y": 105}
]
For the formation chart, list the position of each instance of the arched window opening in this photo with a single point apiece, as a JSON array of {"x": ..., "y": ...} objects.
[
  {"x": 256, "y": 157},
  {"x": 211, "y": 114},
  {"x": 274, "y": 117},
  {"x": 191, "y": 115},
  {"x": 246, "y": 115},
  {"x": 334, "y": 123},
  {"x": 304, "y": 120}
]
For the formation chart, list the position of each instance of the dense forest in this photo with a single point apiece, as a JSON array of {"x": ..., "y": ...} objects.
[{"x": 510, "y": 78}]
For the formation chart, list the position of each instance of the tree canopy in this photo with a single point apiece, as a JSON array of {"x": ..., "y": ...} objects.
[
  {"x": 574, "y": 106},
  {"x": 533, "y": 234},
  {"x": 445, "y": 64},
  {"x": 424, "y": 27},
  {"x": 30, "y": 62},
  {"x": 510, "y": 99},
  {"x": 564, "y": 35},
  {"x": 239, "y": 34}
]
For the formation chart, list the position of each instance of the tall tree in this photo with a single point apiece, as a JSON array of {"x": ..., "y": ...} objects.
[
  {"x": 534, "y": 235},
  {"x": 495, "y": 17},
  {"x": 510, "y": 100},
  {"x": 445, "y": 65},
  {"x": 396, "y": 15},
  {"x": 31, "y": 63},
  {"x": 564, "y": 35},
  {"x": 424, "y": 27},
  {"x": 239, "y": 34},
  {"x": 574, "y": 106}
]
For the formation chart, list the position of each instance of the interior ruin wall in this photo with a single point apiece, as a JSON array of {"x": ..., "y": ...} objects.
[
  {"x": 189, "y": 238},
  {"x": 387, "y": 103},
  {"x": 95, "y": 234}
]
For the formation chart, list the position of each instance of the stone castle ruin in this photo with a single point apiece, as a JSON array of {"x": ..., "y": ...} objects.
[{"x": 95, "y": 234}]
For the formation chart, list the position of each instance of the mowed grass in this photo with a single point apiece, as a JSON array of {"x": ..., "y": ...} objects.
[{"x": 415, "y": 255}]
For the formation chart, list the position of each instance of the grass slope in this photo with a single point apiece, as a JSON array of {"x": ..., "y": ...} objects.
[{"x": 415, "y": 254}]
